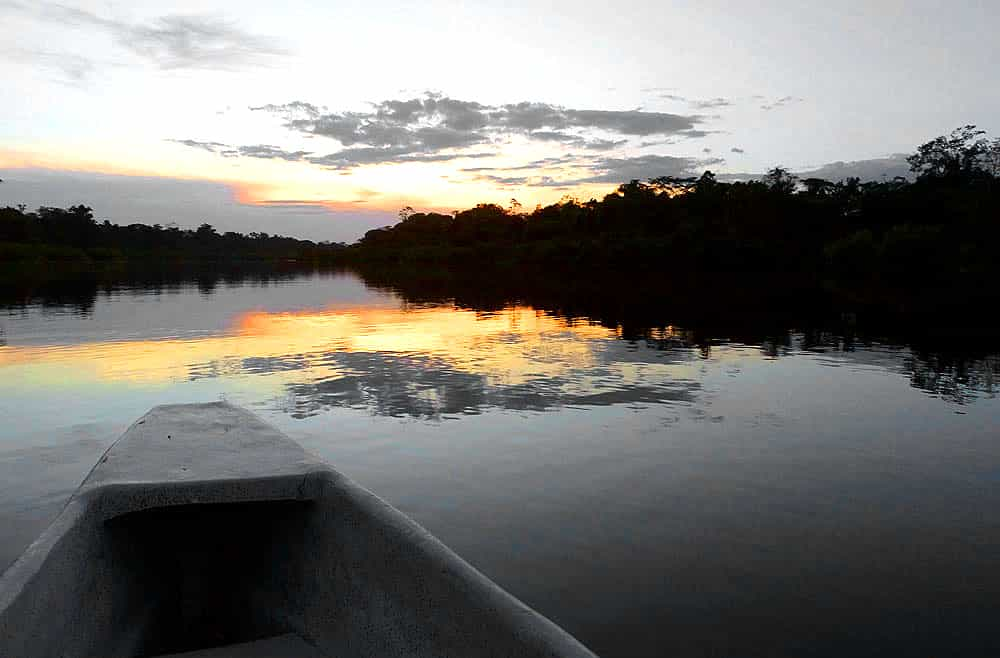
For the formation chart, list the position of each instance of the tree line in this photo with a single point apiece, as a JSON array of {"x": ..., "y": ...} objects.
[
  {"x": 941, "y": 226},
  {"x": 53, "y": 235}
]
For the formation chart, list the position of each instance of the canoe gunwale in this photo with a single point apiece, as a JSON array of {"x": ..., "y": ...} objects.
[{"x": 390, "y": 569}]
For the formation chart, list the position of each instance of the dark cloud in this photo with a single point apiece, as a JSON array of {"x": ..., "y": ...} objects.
[
  {"x": 657, "y": 142},
  {"x": 617, "y": 170},
  {"x": 396, "y": 130},
  {"x": 695, "y": 134},
  {"x": 436, "y": 128},
  {"x": 356, "y": 157},
  {"x": 393, "y": 119},
  {"x": 603, "y": 144},
  {"x": 736, "y": 150},
  {"x": 509, "y": 180},
  {"x": 597, "y": 170},
  {"x": 263, "y": 151},
  {"x": 576, "y": 140},
  {"x": 268, "y": 152},
  {"x": 555, "y": 136},
  {"x": 172, "y": 41},
  {"x": 634, "y": 122},
  {"x": 419, "y": 129},
  {"x": 343, "y": 159},
  {"x": 211, "y": 147}
]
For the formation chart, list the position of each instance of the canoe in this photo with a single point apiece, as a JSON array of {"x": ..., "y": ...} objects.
[{"x": 204, "y": 532}]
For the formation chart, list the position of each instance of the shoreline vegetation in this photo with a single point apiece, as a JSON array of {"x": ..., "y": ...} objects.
[{"x": 927, "y": 243}]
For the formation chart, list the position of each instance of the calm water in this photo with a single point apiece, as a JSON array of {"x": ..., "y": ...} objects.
[{"x": 807, "y": 495}]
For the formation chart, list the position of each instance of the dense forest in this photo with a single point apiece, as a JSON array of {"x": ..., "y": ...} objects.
[
  {"x": 943, "y": 226},
  {"x": 939, "y": 230},
  {"x": 57, "y": 236}
]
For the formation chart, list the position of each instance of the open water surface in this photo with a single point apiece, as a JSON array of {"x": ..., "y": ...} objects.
[{"x": 654, "y": 492}]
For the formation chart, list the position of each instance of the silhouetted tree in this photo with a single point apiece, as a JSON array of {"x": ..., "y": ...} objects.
[
  {"x": 960, "y": 155},
  {"x": 818, "y": 186},
  {"x": 781, "y": 180}
]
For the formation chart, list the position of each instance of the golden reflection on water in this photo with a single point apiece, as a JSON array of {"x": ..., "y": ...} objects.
[{"x": 509, "y": 346}]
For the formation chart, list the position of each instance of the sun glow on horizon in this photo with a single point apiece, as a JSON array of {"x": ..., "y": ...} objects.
[{"x": 438, "y": 187}]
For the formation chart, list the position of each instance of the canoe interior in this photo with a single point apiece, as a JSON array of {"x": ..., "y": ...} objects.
[{"x": 199, "y": 571}]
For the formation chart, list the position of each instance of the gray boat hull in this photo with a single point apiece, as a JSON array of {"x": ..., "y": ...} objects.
[{"x": 204, "y": 526}]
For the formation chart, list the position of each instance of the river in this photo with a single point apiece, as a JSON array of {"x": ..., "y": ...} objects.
[{"x": 657, "y": 492}]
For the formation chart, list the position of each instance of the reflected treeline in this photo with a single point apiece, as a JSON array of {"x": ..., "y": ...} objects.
[
  {"x": 663, "y": 319},
  {"x": 748, "y": 309},
  {"x": 958, "y": 378},
  {"x": 954, "y": 356},
  {"x": 78, "y": 290}
]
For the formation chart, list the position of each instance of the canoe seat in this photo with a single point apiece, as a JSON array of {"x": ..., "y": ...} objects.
[{"x": 280, "y": 646}]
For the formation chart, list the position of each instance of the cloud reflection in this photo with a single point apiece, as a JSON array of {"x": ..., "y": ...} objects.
[
  {"x": 423, "y": 387},
  {"x": 416, "y": 362}
]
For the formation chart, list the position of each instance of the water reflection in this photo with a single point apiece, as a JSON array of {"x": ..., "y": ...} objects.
[
  {"x": 426, "y": 358},
  {"x": 958, "y": 379},
  {"x": 422, "y": 387},
  {"x": 711, "y": 475},
  {"x": 80, "y": 291},
  {"x": 421, "y": 362}
]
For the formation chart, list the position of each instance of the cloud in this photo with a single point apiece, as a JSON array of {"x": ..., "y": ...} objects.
[
  {"x": 263, "y": 151},
  {"x": 355, "y": 157},
  {"x": 617, "y": 170},
  {"x": 736, "y": 150},
  {"x": 634, "y": 122},
  {"x": 874, "y": 169},
  {"x": 268, "y": 152},
  {"x": 339, "y": 160},
  {"x": 606, "y": 170},
  {"x": 603, "y": 144},
  {"x": 867, "y": 170},
  {"x": 767, "y": 106},
  {"x": 698, "y": 104},
  {"x": 576, "y": 140},
  {"x": 211, "y": 147},
  {"x": 420, "y": 129},
  {"x": 509, "y": 180},
  {"x": 171, "y": 41},
  {"x": 529, "y": 166},
  {"x": 74, "y": 69},
  {"x": 711, "y": 103}
]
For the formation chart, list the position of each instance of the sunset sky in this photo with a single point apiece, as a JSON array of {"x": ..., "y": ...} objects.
[{"x": 322, "y": 120}]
